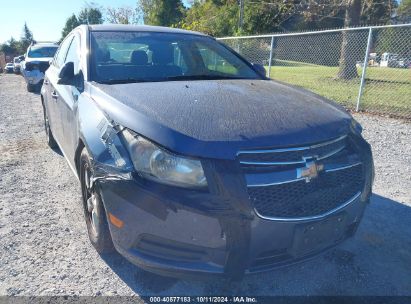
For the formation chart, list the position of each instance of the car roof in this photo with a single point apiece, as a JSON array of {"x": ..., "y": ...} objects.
[
  {"x": 44, "y": 44},
  {"x": 140, "y": 28}
]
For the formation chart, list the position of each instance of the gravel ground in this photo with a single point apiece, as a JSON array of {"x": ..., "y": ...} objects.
[{"x": 44, "y": 248}]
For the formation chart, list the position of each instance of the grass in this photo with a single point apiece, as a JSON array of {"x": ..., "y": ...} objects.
[{"x": 387, "y": 90}]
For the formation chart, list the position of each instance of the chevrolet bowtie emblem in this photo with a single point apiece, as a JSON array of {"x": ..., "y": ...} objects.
[{"x": 310, "y": 171}]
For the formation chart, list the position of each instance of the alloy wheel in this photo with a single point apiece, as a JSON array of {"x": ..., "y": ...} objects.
[{"x": 91, "y": 199}]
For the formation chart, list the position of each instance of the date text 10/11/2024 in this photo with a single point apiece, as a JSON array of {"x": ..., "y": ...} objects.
[{"x": 200, "y": 299}]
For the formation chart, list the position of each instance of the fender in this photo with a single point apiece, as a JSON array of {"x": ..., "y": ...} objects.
[{"x": 102, "y": 138}]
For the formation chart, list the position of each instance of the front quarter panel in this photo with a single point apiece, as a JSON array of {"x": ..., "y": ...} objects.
[{"x": 100, "y": 136}]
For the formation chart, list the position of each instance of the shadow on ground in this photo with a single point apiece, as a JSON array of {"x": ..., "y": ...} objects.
[{"x": 375, "y": 262}]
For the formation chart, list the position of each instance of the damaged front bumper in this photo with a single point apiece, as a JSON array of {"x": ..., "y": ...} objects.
[
  {"x": 184, "y": 233},
  {"x": 34, "y": 77}
]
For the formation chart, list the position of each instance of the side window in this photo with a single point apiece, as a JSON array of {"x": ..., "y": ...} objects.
[
  {"x": 179, "y": 58},
  {"x": 214, "y": 62},
  {"x": 73, "y": 54},
  {"x": 62, "y": 52}
]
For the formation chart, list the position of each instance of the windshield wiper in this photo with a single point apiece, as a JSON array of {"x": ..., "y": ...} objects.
[
  {"x": 170, "y": 78},
  {"x": 203, "y": 77},
  {"x": 120, "y": 81}
]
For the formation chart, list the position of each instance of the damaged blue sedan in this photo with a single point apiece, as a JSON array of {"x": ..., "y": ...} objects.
[{"x": 192, "y": 162}]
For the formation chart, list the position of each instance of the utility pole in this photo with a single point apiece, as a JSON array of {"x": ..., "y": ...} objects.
[
  {"x": 241, "y": 22},
  {"x": 88, "y": 11}
]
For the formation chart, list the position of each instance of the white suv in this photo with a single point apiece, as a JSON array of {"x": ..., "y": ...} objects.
[{"x": 36, "y": 62}]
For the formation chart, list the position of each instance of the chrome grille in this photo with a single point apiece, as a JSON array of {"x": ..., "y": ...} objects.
[
  {"x": 278, "y": 191},
  {"x": 301, "y": 199},
  {"x": 41, "y": 66},
  {"x": 292, "y": 155}
]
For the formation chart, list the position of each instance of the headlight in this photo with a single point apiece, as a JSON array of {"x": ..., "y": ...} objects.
[
  {"x": 155, "y": 163},
  {"x": 355, "y": 126}
]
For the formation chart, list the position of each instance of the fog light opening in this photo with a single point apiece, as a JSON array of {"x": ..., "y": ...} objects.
[{"x": 115, "y": 221}]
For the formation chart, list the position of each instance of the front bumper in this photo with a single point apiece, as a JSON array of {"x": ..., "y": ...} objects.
[
  {"x": 34, "y": 77},
  {"x": 181, "y": 233},
  {"x": 185, "y": 233}
]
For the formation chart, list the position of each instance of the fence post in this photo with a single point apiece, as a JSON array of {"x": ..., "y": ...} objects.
[
  {"x": 364, "y": 69},
  {"x": 271, "y": 56}
]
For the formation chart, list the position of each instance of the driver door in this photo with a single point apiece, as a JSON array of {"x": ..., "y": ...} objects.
[
  {"x": 53, "y": 98},
  {"x": 69, "y": 95}
]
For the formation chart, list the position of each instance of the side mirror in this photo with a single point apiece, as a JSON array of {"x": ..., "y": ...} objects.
[
  {"x": 66, "y": 74},
  {"x": 260, "y": 69}
]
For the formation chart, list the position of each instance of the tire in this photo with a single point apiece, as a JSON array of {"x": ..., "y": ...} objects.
[
  {"x": 30, "y": 88},
  {"x": 49, "y": 135},
  {"x": 98, "y": 231}
]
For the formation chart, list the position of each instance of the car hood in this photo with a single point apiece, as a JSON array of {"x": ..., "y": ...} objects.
[
  {"x": 219, "y": 117},
  {"x": 44, "y": 59}
]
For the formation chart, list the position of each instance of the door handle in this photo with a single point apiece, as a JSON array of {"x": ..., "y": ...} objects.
[{"x": 54, "y": 95}]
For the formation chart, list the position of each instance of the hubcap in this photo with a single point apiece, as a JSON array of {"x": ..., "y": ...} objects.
[
  {"x": 92, "y": 200},
  {"x": 46, "y": 124}
]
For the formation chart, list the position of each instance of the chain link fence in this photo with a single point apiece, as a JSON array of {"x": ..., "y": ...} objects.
[{"x": 364, "y": 69}]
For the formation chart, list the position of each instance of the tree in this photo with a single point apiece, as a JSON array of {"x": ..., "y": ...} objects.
[
  {"x": 221, "y": 17},
  {"x": 216, "y": 18},
  {"x": 26, "y": 38},
  {"x": 377, "y": 11},
  {"x": 321, "y": 14},
  {"x": 10, "y": 48},
  {"x": 161, "y": 12},
  {"x": 404, "y": 11},
  {"x": 266, "y": 16},
  {"x": 71, "y": 23},
  {"x": 90, "y": 16},
  {"x": 121, "y": 15},
  {"x": 348, "y": 69}
]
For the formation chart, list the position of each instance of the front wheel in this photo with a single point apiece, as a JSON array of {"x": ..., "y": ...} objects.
[
  {"x": 31, "y": 88},
  {"x": 94, "y": 212},
  {"x": 49, "y": 135}
]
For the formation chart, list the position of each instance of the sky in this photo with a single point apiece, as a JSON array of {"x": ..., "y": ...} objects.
[{"x": 45, "y": 18}]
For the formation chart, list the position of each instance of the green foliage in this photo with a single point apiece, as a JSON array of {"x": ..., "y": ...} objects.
[
  {"x": 404, "y": 11},
  {"x": 26, "y": 38},
  {"x": 121, "y": 15},
  {"x": 323, "y": 14},
  {"x": 377, "y": 11},
  {"x": 221, "y": 17},
  {"x": 393, "y": 40},
  {"x": 161, "y": 12},
  {"x": 387, "y": 90},
  {"x": 90, "y": 16},
  {"x": 71, "y": 23},
  {"x": 266, "y": 16},
  {"x": 11, "y": 47},
  {"x": 15, "y": 47},
  {"x": 216, "y": 18}
]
